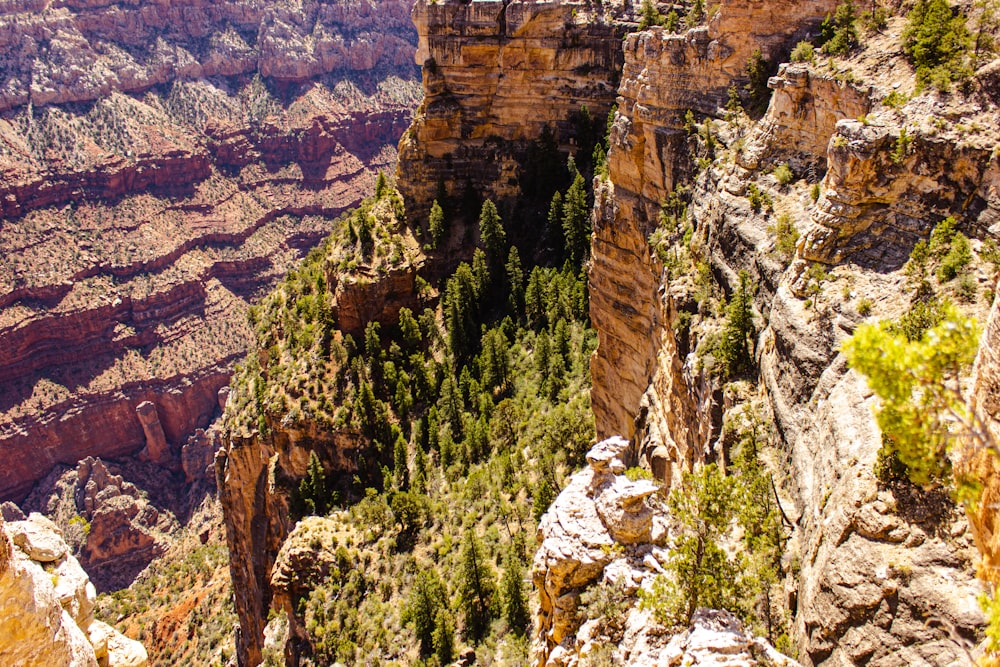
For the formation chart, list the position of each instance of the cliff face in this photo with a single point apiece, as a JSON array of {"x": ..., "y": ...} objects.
[
  {"x": 162, "y": 166},
  {"x": 495, "y": 75},
  {"x": 871, "y": 209},
  {"x": 48, "y": 604}
]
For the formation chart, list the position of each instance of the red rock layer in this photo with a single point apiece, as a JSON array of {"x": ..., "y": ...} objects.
[{"x": 144, "y": 204}]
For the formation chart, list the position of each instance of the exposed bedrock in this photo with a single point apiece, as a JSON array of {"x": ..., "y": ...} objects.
[
  {"x": 496, "y": 73},
  {"x": 174, "y": 162},
  {"x": 874, "y": 561}
]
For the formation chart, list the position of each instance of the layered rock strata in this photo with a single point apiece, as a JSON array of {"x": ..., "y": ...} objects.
[
  {"x": 163, "y": 165},
  {"x": 48, "y": 604},
  {"x": 665, "y": 75},
  {"x": 870, "y": 212},
  {"x": 496, "y": 73}
]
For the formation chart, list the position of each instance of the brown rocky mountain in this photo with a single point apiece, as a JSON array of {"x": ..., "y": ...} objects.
[
  {"x": 164, "y": 164},
  {"x": 873, "y": 573}
]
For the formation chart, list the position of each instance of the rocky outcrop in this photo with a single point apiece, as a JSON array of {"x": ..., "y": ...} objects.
[
  {"x": 665, "y": 75},
  {"x": 156, "y": 442},
  {"x": 215, "y": 142},
  {"x": 601, "y": 531},
  {"x": 871, "y": 210},
  {"x": 48, "y": 604},
  {"x": 883, "y": 193},
  {"x": 496, "y": 74},
  {"x": 255, "y": 476}
]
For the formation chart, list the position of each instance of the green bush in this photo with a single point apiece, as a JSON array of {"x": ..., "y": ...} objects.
[
  {"x": 784, "y": 174},
  {"x": 786, "y": 237},
  {"x": 958, "y": 257},
  {"x": 937, "y": 42},
  {"x": 803, "y": 52}
]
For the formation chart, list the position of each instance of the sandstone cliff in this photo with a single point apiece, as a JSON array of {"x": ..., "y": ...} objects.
[
  {"x": 495, "y": 75},
  {"x": 871, "y": 209},
  {"x": 164, "y": 165},
  {"x": 48, "y": 604}
]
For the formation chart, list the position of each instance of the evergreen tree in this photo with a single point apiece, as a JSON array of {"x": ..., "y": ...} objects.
[
  {"x": 699, "y": 572},
  {"x": 495, "y": 360},
  {"x": 543, "y": 497},
  {"x": 476, "y": 587},
  {"x": 553, "y": 225},
  {"x": 425, "y": 601},
  {"x": 492, "y": 233},
  {"x": 420, "y": 471},
  {"x": 696, "y": 14},
  {"x": 381, "y": 184},
  {"x": 734, "y": 347},
  {"x": 515, "y": 282},
  {"x": 460, "y": 306},
  {"x": 312, "y": 488},
  {"x": 401, "y": 472},
  {"x": 444, "y": 636},
  {"x": 576, "y": 221},
  {"x": 534, "y": 299},
  {"x": 515, "y": 602},
  {"x": 436, "y": 224},
  {"x": 936, "y": 39},
  {"x": 650, "y": 15},
  {"x": 409, "y": 328}
]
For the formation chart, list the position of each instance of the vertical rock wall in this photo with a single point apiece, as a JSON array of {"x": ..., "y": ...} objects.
[{"x": 495, "y": 74}]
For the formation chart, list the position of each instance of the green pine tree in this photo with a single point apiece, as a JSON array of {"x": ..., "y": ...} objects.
[
  {"x": 492, "y": 233},
  {"x": 444, "y": 636},
  {"x": 576, "y": 221},
  {"x": 734, "y": 347},
  {"x": 401, "y": 471},
  {"x": 425, "y": 601},
  {"x": 436, "y": 224},
  {"x": 476, "y": 587},
  {"x": 515, "y": 602}
]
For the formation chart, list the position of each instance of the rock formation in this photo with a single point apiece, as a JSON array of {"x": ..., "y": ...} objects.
[
  {"x": 496, "y": 73},
  {"x": 48, "y": 604},
  {"x": 119, "y": 516},
  {"x": 874, "y": 573},
  {"x": 601, "y": 530},
  {"x": 156, "y": 442},
  {"x": 164, "y": 165}
]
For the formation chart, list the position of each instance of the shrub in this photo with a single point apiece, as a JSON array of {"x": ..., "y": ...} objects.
[
  {"x": 895, "y": 100},
  {"x": 784, "y": 174},
  {"x": 865, "y": 307},
  {"x": 786, "y": 236},
  {"x": 803, "y": 52},
  {"x": 936, "y": 41},
  {"x": 958, "y": 257},
  {"x": 758, "y": 198},
  {"x": 902, "y": 146}
]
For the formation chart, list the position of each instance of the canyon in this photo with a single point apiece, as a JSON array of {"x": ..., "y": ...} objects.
[
  {"x": 865, "y": 563},
  {"x": 163, "y": 165},
  {"x": 166, "y": 165}
]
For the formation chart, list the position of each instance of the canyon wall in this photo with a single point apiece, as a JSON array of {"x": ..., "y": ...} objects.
[
  {"x": 163, "y": 165},
  {"x": 495, "y": 74}
]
